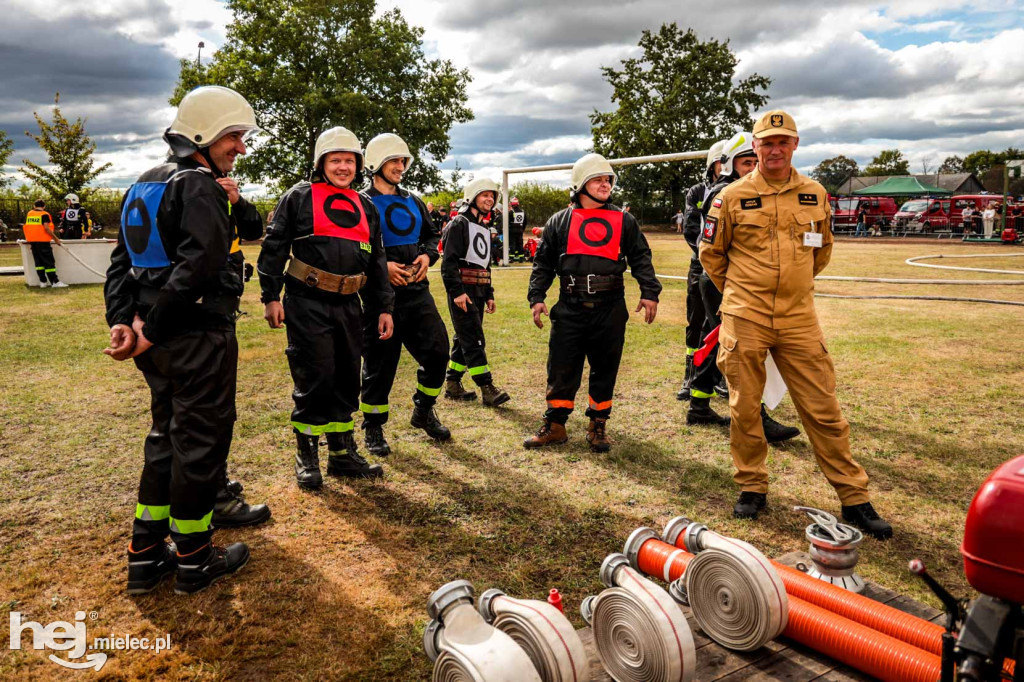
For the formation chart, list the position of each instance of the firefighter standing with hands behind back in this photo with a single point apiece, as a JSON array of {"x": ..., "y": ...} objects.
[
  {"x": 332, "y": 234},
  {"x": 764, "y": 240},
  {"x": 588, "y": 246}
]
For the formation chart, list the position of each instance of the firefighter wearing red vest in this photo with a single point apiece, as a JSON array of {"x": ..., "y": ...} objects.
[
  {"x": 410, "y": 242},
  {"x": 588, "y": 247},
  {"x": 38, "y": 231},
  {"x": 466, "y": 273},
  {"x": 172, "y": 292},
  {"x": 331, "y": 233}
]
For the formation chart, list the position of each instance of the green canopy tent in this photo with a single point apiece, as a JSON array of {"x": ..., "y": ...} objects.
[{"x": 902, "y": 186}]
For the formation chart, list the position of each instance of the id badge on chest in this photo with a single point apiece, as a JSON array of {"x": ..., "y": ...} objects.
[{"x": 812, "y": 239}]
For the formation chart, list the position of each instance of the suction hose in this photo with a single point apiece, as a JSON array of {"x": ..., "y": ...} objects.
[
  {"x": 875, "y": 615},
  {"x": 736, "y": 596},
  {"x": 464, "y": 647},
  {"x": 543, "y": 632},
  {"x": 640, "y": 632},
  {"x": 856, "y": 645}
]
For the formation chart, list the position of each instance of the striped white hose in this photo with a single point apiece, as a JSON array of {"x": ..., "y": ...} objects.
[
  {"x": 913, "y": 261},
  {"x": 466, "y": 648},
  {"x": 736, "y": 595},
  {"x": 543, "y": 632},
  {"x": 640, "y": 632}
]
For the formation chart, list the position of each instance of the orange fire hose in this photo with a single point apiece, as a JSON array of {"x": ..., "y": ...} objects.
[
  {"x": 852, "y": 643},
  {"x": 877, "y": 616},
  {"x": 903, "y": 626}
]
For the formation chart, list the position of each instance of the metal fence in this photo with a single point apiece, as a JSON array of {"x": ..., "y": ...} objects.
[
  {"x": 106, "y": 215},
  {"x": 955, "y": 229}
]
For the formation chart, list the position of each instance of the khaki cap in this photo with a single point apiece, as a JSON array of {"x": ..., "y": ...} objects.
[{"x": 775, "y": 122}]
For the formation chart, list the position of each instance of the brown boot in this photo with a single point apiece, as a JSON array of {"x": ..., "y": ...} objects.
[
  {"x": 597, "y": 437},
  {"x": 493, "y": 396},
  {"x": 550, "y": 433},
  {"x": 453, "y": 389}
]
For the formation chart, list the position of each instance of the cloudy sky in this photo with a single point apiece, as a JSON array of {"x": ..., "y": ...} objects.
[{"x": 931, "y": 77}]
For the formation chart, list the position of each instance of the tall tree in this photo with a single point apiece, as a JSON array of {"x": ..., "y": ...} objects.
[
  {"x": 680, "y": 95},
  {"x": 308, "y": 65},
  {"x": 981, "y": 161},
  {"x": 952, "y": 164},
  {"x": 6, "y": 147},
  {"x": 832, "y": 173},
  {"x": 70, "y": 152},
  {"x": 888, "y": 162}
]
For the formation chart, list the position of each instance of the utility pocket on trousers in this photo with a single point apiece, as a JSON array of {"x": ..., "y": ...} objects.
[{"x": 727, "y": 347}]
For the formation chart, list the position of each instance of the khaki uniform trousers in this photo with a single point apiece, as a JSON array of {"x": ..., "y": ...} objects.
[{"x": 807, "y": 368}]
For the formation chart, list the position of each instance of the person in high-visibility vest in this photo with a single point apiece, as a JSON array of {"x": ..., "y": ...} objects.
[{"x": 38, "y": 233}]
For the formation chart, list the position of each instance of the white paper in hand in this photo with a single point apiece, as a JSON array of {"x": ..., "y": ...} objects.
[{"x": 774, "y": 385}]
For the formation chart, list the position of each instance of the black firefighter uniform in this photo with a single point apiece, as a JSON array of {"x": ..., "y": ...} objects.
[
  {"x": 173, "y": 267},
  {"x": 762, "y": 246},
  {"x": 333, "y": 238},
  {"x": 589, "y": 250},
  {"x": 408, "y": 232},
  {"x": 466, "y": 269}
]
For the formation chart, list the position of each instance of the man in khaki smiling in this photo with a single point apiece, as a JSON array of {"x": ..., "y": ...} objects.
[{"x": 765, "y": 239}]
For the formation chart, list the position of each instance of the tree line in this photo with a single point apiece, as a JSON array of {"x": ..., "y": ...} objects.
[{"x": 985, "y": 164}]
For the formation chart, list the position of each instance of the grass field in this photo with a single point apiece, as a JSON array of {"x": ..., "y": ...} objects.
[{"x": 338, "y": 582}]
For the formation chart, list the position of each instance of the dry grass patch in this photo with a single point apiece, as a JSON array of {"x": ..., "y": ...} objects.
[{"x": 338, "y": 581}]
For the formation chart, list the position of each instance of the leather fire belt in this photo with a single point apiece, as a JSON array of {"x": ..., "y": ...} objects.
[
  {"x": 327, "y": 281},
  {"x": 475, "y": 277}
]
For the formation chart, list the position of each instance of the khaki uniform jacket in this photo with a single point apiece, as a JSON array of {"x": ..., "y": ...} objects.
[{"x": 752, "y": 248}]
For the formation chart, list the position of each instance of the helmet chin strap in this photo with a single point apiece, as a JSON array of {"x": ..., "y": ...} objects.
[
  {"x": 380, "y": 174},
  {"x": 217, "y": 173}
]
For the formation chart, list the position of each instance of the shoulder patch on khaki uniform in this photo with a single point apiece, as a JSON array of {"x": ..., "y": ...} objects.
[
  {"x": 807, "y": 199},
  {"x": 750, "y": 202}
]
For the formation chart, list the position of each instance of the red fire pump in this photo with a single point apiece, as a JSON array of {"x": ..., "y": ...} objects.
[{"x": 982, "y": 634}]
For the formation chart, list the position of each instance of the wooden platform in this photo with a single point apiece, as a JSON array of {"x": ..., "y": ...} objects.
[{"x": 779, "y": 660}]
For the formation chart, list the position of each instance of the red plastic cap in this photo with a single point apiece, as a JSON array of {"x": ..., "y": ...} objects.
[
  {"x": 555, "y": 599},
  {"x": 993, "y": 546}
]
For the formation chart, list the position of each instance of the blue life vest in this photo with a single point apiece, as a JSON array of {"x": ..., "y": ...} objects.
[
  {"x": 138, "y": 225},
  {"x": 400, "y": 219}
]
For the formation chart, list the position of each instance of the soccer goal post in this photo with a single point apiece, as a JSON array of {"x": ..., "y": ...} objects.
[{"x": 630, "y": 161}]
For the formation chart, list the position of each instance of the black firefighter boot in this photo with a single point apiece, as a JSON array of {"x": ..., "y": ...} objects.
[
  {"x": 453, "y": 389},
  {"x": 343, "y": 458},
  {"x": 867, "y": 519},
  {"x": 230, "y": 510},
  {"x": 376, "y": 443},
  {"x": 722, "y": 389},
  {"x": 749, "y": 505},
  {"x": 493, "y": 396},
  {"x": 700, "y": 412},
  {"x": 307, "y": 462},
  {"x": 150, "y": 565},
  {"x": 425, "y": 417},
  {"x": 774, "y": 432},
  {"x": 684, "y": 392}
]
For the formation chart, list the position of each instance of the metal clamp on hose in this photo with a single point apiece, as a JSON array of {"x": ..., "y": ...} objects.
[
  {"x": 464, "y": 647},
  {"x": 543, "y": 632},
  {"x": 640, "y": 632},
  {"x": 833, "y": 550}
]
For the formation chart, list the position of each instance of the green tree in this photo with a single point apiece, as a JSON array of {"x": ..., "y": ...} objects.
[
  {"x": 308, "y": 65},
  {"x": 832, "y": 173},
  {"x": 888, "y": 162},
  {"x": 953, "y": 164},
  {"x": 6, "y": 148},
  {"x": 680, "y": 95},
  {"x": 70, "y": 152},
  {"x": 981, "y": 161}
]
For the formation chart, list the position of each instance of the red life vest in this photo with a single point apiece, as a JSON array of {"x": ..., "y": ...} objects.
[
  {"x": 339, "y": 213},
  {"x": 595, "y": 232}
]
